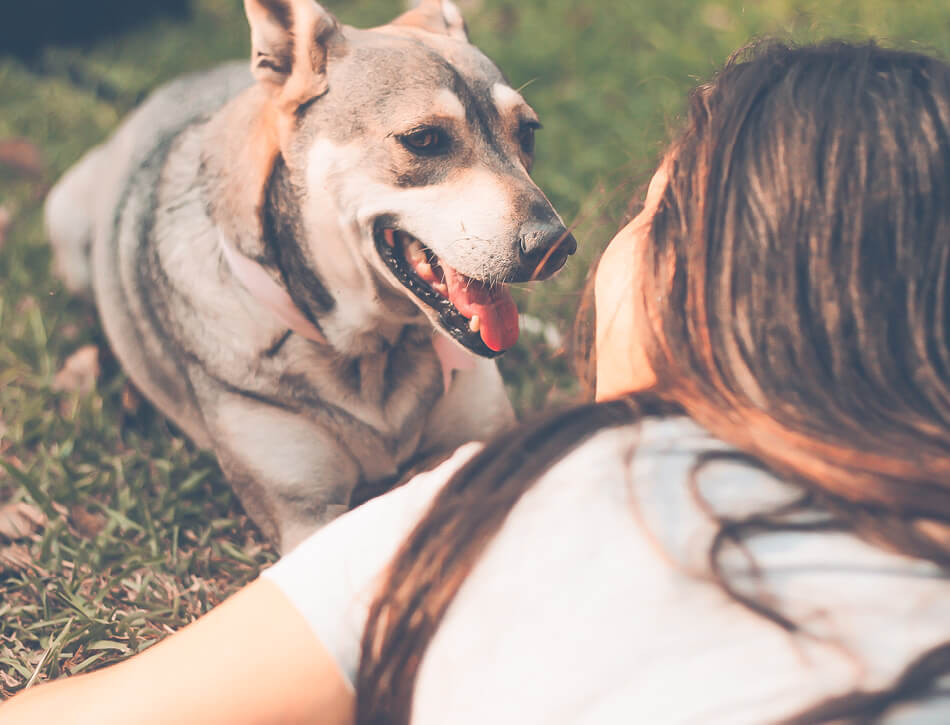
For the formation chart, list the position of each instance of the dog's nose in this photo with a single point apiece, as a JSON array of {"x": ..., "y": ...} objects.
[{"x": 545, "y": 247}]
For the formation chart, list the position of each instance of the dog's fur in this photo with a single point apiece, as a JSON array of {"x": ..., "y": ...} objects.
[{"x": 232, "y": 232}]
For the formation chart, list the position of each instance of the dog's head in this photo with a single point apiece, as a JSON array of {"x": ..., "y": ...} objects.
[{"x": 410, "y": 156}]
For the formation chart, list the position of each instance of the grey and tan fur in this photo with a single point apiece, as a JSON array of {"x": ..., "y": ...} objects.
[{"x": 297, "y": 166}]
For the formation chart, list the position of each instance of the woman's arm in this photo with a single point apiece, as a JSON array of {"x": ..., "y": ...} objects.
[{"x": 253, "y": 659}]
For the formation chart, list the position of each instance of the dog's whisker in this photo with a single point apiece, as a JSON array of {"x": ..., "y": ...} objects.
[
  {"x": 472, "y": 238},
  {"x": 526, "y": 84}
]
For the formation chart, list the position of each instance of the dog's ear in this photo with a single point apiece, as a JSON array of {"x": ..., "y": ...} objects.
[
  {"x": 289, "y": 41},
  {"x": 436, "y": 16}
]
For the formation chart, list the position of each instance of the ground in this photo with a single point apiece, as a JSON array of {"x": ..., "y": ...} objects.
[{"x": 114, "y": 530}]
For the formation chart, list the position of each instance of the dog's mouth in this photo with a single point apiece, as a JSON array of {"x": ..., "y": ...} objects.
[{"x": 482, "y": 317}]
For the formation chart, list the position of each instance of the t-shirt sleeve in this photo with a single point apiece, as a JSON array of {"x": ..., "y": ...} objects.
[{"x": 332, "y": 577}]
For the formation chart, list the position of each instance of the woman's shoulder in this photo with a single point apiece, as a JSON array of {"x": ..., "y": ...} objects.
[{"x": 600, "y": 579}]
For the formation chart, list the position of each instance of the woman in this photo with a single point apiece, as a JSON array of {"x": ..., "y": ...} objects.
[{"x": 751, "y": 525}]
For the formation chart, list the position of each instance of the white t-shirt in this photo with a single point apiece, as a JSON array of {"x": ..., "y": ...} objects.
[{"x": 591, "y": 606}]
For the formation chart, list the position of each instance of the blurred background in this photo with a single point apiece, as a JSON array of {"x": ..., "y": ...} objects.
[{"x": 113, "y": 530}]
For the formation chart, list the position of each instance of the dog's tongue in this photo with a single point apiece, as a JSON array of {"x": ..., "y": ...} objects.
[{"x": 496, "y": 310}]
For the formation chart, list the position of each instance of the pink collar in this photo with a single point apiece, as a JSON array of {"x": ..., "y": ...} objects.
[{"x": 275, "y": 298}]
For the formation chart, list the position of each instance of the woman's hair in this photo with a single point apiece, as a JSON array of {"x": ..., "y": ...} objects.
[{"x": 796, "y": 298}]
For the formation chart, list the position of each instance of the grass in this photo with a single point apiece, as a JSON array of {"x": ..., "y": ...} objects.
[{"x": 114, "y": 530}]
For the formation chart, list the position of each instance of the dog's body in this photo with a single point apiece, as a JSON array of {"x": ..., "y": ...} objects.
[{"x": 255, "y": 252}]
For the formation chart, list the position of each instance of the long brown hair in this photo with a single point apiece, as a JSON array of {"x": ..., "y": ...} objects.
[{"x": 796, "y": 291}]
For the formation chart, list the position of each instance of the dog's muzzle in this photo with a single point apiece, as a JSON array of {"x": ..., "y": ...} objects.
[
  {"x": 544, "y": 249},
  {"x": 481, "y": 316}
]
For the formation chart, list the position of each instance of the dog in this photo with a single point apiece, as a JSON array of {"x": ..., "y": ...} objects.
[{"x": 304, "y": 266}]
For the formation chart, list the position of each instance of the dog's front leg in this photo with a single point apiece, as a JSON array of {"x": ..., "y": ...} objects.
[
  {"x": 475, "y": 408},
  {"x": 291, "y": 474}
]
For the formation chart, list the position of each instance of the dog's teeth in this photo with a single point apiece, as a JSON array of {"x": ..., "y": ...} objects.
[
  {"x": 441, "y": 288},
  {"x": 390, "y": 237},
  {"x": 415, "y": 251},
  {"x": 475, "y": 324}
]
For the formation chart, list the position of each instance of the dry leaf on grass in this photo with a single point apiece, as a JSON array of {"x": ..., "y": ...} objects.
[
  {"x": 19, "y": 520},
  {"x": 16, "y": 557},
  {"x": 131, "y": 399},
  {"x": 88, "y": 523},
  {"x": 9, "y": 680},
  {"x": 22, "y": 155},
  {"x": 6, "y": 217},
  {"x": 80, "y": 371}
]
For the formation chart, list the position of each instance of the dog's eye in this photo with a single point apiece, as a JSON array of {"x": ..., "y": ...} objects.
[
  {"x": 526, "y": 136},
  {"x": 426, "y": 141}
]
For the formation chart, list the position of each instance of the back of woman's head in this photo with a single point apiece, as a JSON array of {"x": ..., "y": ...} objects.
[
  {"x": 799, "y": 262},
  {"x": 796, "y": 288}
]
